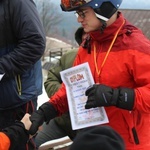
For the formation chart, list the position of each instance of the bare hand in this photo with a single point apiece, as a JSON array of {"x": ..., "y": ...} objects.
[{"x": 26, "y": 121}]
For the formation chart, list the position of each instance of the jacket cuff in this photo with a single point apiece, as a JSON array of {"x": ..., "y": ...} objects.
[
  {"x": 126, "y": 98},
  {"x": 49, "y": 111},
  {"x": 17, "y": 134}
]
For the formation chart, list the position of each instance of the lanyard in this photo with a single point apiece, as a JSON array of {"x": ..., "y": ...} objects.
[{"x": 108, "y": 51}]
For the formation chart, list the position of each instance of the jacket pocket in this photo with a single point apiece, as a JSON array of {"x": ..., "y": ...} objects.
[
  {"x": 129, "y": 119},
  {"x": 9, "y": 96}
]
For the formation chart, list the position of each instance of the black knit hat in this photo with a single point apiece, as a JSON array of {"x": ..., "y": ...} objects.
[{"x": 98, "y": 138}]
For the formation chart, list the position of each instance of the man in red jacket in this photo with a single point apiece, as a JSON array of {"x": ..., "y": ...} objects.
[{"x": 119, "y": 58}]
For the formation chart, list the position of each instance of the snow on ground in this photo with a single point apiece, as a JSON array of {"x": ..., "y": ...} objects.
[{"x": 42, "y": 98}]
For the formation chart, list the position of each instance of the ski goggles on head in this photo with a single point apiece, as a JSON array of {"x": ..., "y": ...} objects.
[{"x": 71, "y": 5}]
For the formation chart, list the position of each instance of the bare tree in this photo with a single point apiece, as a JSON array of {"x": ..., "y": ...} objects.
[{"x": 50, "y": 17}]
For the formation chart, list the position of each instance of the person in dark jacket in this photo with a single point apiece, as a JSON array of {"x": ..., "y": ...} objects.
[
  {"x": 16, "y": 133},
  {"x": 59, "y": 126},
  {"x": 22, "y": 43}
]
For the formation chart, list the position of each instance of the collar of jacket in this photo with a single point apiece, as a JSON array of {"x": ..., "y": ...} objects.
[{"x": 110, "y": 31}]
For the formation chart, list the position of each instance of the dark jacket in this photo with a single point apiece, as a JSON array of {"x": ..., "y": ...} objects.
[
  {"x": 53, "y": 83},
  {"x": 11, "y": 136},
  {"x": 22, "y": 43}
]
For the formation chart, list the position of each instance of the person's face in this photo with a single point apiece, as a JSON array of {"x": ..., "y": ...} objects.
[{"x": 86, "y": 16}]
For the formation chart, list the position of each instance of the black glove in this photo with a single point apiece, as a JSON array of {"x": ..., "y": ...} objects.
[
  {"x": 45, "y": 113},
  {"x": 102, "y": 95}
]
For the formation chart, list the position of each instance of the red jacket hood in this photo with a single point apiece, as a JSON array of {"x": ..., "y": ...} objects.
[{"x": 110, "y": 31}]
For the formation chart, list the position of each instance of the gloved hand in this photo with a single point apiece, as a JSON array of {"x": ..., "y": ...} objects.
[
  {"x": 102, "y": 95},
  {"x": 45, "y": 113}
]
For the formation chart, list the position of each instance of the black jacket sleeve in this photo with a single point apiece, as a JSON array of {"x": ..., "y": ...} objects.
[
  {"x": 17, "y": 134},
  {"x": 30, "y": 38}
]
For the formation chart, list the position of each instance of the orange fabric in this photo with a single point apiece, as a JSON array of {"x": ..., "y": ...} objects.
[
  {"x": 127, "y": 65},
  {"x": 66, "y": 3},
  {"x": 70, "y": 4},
  {"x": 4, "y": 142}
]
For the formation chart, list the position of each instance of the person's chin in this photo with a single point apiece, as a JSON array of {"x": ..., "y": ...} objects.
[{"x": 86, "y": 29}]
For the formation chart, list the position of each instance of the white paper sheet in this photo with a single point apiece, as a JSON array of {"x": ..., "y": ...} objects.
[
  {"x": 77, "y": 79},
  {"x": 1, "y": 76}
]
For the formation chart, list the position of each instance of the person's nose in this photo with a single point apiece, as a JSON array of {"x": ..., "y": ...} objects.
[{"x": 79, "y": 19}]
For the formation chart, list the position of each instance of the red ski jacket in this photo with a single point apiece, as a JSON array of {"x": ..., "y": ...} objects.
[{"x": 127, "y": 65}]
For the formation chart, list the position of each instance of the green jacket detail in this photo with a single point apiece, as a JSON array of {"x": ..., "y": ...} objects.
[{"x": 53, "y": 83}]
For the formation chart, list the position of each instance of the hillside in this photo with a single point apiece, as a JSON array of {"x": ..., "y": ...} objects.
[{"x": 70, "y": 24}]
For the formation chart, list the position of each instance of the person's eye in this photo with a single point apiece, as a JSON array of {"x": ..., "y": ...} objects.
[{"x": 81, "y": 13}]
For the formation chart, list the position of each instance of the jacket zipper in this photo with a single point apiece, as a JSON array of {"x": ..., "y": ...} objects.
[
  {"x": 18, "y": 82},
  {"x": 135, "y": 136}
]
